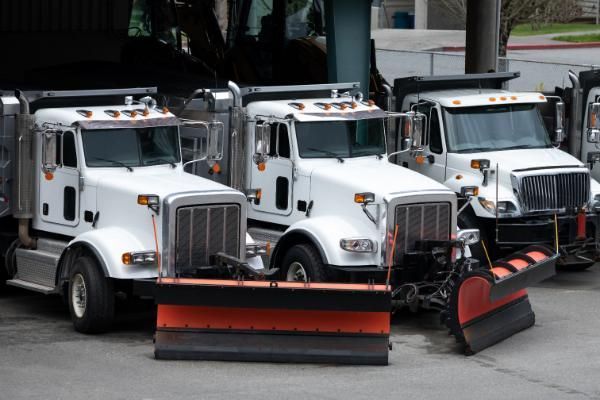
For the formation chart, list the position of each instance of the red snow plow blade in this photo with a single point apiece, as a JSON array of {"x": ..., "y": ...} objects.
[
  {"x": 488, "y": 306},
  {"x": 205, "y": 319}
]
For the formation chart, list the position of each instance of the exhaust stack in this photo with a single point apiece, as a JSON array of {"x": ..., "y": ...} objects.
[{"x": 23, "y": 185}]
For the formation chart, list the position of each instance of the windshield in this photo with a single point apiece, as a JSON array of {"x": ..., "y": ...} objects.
[
  {"x": 131, "y": 147},
  {"x": 340, "y": 139},
  {"x": 475, "y": 129}
]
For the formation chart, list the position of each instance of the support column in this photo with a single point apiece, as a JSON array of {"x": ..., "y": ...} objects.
[
  {"x": 481, "y": 54},
  {"x": 421, "y": 8},
  {"x": 348, "y": 25}
]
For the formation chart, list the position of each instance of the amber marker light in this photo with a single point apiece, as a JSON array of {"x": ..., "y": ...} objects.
[
  {"x": 420, "y": 159},
  {"x": 216, "y": 168},
  {"x": 261, "y": 166},
  {"x": 475, "y": 164},
  {"x": 126, "y": 258},
  {"x": 456, "y": 102}
]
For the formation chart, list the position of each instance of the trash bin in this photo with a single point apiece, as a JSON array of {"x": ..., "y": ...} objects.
[{"x": 404, "y": 20}]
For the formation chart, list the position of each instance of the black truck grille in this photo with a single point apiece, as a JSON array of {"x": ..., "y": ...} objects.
[
  {"x": 554, "y": 192},
  {"x": 418, "y": 222},
  {"x": 205, "y": 230}
]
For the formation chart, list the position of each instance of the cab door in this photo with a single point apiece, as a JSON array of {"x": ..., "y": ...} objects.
[
  {"x": 434, "y": 165},
  {"x": 59, "y": 185},
  {"x": 275, "y": 181}
]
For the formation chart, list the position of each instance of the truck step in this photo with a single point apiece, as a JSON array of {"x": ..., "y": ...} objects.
[
  {"x": 37, "y": 266},
  {"x": 31, "y": 286}
]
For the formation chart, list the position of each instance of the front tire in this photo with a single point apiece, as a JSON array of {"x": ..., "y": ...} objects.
[
  {"x": 91, "y": 297},
  {"x": 302, "y": 263}
]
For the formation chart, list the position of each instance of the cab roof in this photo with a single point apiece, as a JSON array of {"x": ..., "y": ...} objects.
[
  {"x": 320, "y": 109},
  {"x": 456, "y": 98},
  {"x": 125, "y": 115}
]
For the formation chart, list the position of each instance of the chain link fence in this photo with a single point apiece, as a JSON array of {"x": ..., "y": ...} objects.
[{"x": 535, "y": 75}]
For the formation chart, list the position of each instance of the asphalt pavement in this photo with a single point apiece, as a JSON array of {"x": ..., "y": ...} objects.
[{"x": 41, "y": 357}]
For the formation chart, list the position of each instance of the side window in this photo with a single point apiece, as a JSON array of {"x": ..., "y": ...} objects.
[
  {"x": 435, "y": 134},
  {"x": 280, "y": 141},
  {"x": 69, "y": 156}
]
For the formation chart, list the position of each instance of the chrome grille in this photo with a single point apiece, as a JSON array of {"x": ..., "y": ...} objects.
[
  {"x": 203, "y": 231},
  {"x": 419, "y": 222},
  {"x": 554, "y": 192}
]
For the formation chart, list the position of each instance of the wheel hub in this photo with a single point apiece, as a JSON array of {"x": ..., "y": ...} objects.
[
  {"x": 296, "y": 273},
  {"x": 78, "y": 295}
]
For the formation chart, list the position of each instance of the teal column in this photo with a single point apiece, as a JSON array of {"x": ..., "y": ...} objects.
[{"x": 348, "y": 26}]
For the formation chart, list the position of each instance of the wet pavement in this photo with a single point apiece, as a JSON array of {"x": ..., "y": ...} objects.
[{"x": 41, "y": 357}]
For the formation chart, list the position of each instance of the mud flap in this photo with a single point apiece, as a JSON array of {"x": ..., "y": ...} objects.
[
  {"x": 201, "y": 319},
  {"x": 481, "y": 314}
]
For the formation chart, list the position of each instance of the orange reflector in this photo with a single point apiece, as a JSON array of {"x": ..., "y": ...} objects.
[
  {"x": 261, "y": 166},
  {"x": 513, "y": 97},
  {"x": 503, "y": 98},
  {"x": 420, "y": 159},
  {"x": 133, "y": 114},
  {"x": 88, "y": 114},
  {"x": 542, "y": 97},
  {"x": 258, "y": 194},
  {"x": 301, "y": 106},
  {"x": 354, "y": 104},
  {"x": 126, "y": 258},
  {"x": 49, "y": 176},
  {"x": 457, "y": 102},
  {"x": 268, "y": 248},
  {"x": 216, "y": 168},
  {"x": 343, "y": 106},
  {"x": 116, "y": 114},
  {"x": 492, "y": 99},
  {"x": 359, "y": 198},
  {"x": 475, "y": 164},
  {"x": 327, "y": 106}
]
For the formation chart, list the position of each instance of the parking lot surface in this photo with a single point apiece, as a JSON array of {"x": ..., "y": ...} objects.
[{"x": 41, "y": 357}]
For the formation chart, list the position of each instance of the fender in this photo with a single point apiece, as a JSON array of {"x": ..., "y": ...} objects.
[
  {"x": 325, "y": 233},
  {"x": 109, "y": 244}
]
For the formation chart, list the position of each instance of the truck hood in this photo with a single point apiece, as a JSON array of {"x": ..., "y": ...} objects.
[
  {"x": 510, "y": 160},
  {"x": 368, "y": 175}
]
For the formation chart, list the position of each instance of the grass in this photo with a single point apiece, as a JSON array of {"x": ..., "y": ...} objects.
[
  {"x": 527, "y": 30},
  {"x": 591, "y": 37}
]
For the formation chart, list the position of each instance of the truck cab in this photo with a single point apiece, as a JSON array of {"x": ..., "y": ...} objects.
[
  {"x": 322, "y": 190},
  {"x": 101, "y": 200},
  {"x": 495, "y": 141}
]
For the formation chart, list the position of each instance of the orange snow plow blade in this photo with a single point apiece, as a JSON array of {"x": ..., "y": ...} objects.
[
  {"x": 206, "y": 319},
  {"x": 489, "y": 305}
]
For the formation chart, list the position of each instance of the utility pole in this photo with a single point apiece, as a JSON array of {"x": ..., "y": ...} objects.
[{"x": 483, "y": 31}]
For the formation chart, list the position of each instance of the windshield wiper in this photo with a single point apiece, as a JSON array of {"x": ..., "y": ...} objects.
[
  {"x": 331, "y": 153},
  {"x": 115, "y": 162},
  {"x": 475, "y": 149},
  {"x": 522, "y": 146},
  {"x": 152, "y": 162}
]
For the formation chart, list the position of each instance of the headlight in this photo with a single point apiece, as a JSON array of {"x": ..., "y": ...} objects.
[
  {"x": 257, "y": 249},
  {"x": 468, "y": 236},
  {"x": 505, "y": 208},
  {"x": 358, "y": 245},
  {"x": 139, "y": 257}
]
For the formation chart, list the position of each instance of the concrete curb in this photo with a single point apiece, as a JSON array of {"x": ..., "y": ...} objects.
[{"x": 550, "y": 46}]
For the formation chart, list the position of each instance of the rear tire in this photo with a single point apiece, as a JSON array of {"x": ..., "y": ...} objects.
[
  {"x": 91, "y": 297},
  {"x": 302, "y": 263}
]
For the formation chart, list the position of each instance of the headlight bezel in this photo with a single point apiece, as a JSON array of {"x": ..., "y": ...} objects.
[
  {"x": 506, "y": 208},
  {"x": 358, "y": 245}
]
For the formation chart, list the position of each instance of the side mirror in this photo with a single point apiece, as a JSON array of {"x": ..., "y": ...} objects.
[
  {"x": 559, "y": 130},
  {"x": 593, "y": 124},
  {"x": 262, "y": 142},
  {"x": 215, "y": 139},
  {"x": 416, "y": 131},
  {"x": 49, "y": 147}
]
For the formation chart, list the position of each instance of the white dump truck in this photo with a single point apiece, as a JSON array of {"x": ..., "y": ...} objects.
[
  {"x": 94, "y": 196},
  {"x": 480, "y": 136}
]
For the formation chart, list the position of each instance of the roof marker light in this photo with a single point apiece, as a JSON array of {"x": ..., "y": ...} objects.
[
  {"x": 503, "y": 98},
  {"x": 113, "y": 113},
  {"x": 513, "y": 97},
  {"x": 85, "y": 113},
  {"x": 492, "y": 99},
  {"x": 542, "y": 97},
  {"x": 456, "y": 102},
  {"x": 297, "y": 106}
]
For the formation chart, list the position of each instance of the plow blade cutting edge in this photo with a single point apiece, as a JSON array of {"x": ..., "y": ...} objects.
[
  {"x": 490, "y": 305},
  {"x": 205, "y": 319}
]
